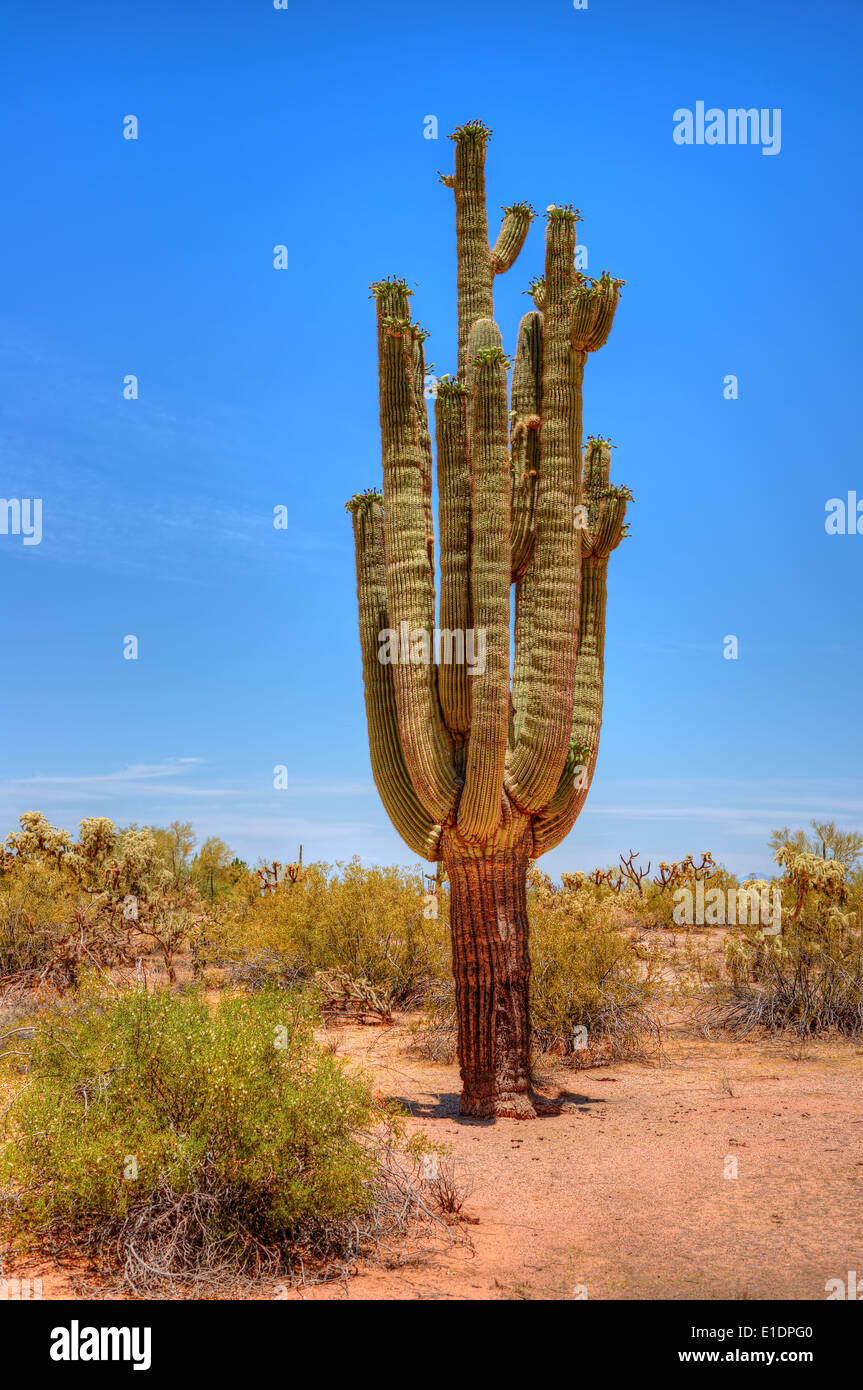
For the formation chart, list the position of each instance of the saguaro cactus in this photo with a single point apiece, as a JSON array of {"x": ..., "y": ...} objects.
[{"x": 483, "y": 768}]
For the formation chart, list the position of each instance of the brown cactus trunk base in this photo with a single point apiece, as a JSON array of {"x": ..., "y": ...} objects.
[{"x": 491, "y": 966}]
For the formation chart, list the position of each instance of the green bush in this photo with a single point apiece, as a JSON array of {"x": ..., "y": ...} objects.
[
  {"x": 35, "y": 906},
  {"x": 370, "y": 922},
  {"x": 190, "y": 1139},
  {"x": 585, "y": 973}
]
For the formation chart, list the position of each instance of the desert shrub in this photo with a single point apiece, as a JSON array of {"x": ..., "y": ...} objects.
[
  {"x": 171, "y": 922},
  {"x": 806, "y": 979},
  {"x": 586, "y": 974},
  {"x": 369, "y": 922},
  {"x": 445, "y": 1187},
  {"x": 191, "y": 1143},
  {"x": 34, "y": 905},
  {"x": 103, "y": 900}
]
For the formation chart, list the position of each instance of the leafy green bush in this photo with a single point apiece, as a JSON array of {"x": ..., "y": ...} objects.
[
  {"x": 34, "y": 906},
  {"x": 192, "y": 1141},
  {"x": 586, "y": 974},
  {"x": 370, "y": 922}
]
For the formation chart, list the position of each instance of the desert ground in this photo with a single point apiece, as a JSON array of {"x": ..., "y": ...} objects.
[{"x": 629, "y": 1192}]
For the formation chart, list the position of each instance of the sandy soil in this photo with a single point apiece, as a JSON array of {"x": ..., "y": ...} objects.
[{"x": 625, "y": 1193}]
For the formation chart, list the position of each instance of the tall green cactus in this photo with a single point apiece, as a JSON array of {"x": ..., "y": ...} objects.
[{"x": 483, "y": 768}]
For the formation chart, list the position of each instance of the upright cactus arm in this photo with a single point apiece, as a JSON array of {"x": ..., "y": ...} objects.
[
  {"x": 389, "y": 769},
  {"x": 604, "y": 503},
  {"x": 525, "y": 452},
  {"x": 543, "y": 742},
  {"x": 594, "y": 306},
  {"x": 524, "y": 439},
  {"x": 556, "y": 821},
  {"x": 410, "y": 592},
  {"x": 480, "y": 806},
  {"x": 419, "y": 367},
  {"x": 478, "y": 262},
  {"x": 454, "y": 512},
  {"x": 605, "y": 528}
]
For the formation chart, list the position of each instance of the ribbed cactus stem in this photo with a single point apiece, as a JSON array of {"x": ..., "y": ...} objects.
[
  {"x": 539, "y": 757},
  {"x": 451, "y": 432},
  {"x": 524, "y": 439},
  {"x": 480, "y": 806},
  {"x": 475, "y": 271},
  {"x": 389, "y": 770},
  {"x": 425, "y": 743},
  {"x": 511, "y": 237}
]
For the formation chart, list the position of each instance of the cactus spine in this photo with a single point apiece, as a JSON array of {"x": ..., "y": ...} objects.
[{"x": 481, "y": 767}]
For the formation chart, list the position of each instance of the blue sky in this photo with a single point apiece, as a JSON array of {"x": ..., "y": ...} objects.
[{"x": 154, "y": 257}]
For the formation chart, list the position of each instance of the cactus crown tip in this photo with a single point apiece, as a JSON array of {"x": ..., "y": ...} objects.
[
  {"x": 451, "y": 386},
  {"x": 606, "y": 281},
  {"x": 392, "y": 283},
  {"x": 563, "y": 212},
  {"x": 588, "y": 288},
  {"x": 361, "y": 501},
  {"x": 491, "y": 356},
  {"x": 476, "y": 131},
  {"x": 526, "y": 209}
]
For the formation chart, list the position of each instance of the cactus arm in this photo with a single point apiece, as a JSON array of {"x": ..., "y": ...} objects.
[
  {"x": 603, "y": 296},
  {"x": 424, "y": 739},
  {"x": 480, "y": 807},
  {"x": 526, "y": 407},
  {"x": 525, "y": 587},
  {"x": 536, "y": 290},
  {"x": 511, "y": 237},
  {"x": 543, "y": 744},
  {"x": 389, "y": 770},
  {"x": 454, "y": 511},
  {"x": 425, "y": 447},
  {"x": 524, "y": 493},
  {"x": 473, "y": 253},
  {"x": 555, "y": 823},
  {"x": 478, "y": 262},
  {"x": 606, "y": 508}
]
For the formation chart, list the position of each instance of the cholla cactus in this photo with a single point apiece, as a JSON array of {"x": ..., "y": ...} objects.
[
  {"x": 810, "y": 873},
  {"x": 476, "y": 765}
]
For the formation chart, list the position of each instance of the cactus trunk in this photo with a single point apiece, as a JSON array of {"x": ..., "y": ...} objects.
[
  {"x": 491, "y": 967},
  {"x": 482, "y": 767}
]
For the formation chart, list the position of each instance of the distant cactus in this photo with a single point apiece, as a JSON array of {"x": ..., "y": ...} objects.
[{"x": 483, "y": 768}]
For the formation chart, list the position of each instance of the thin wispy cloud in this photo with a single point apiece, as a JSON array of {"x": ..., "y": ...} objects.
[{"x": 136, "y": 772}]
